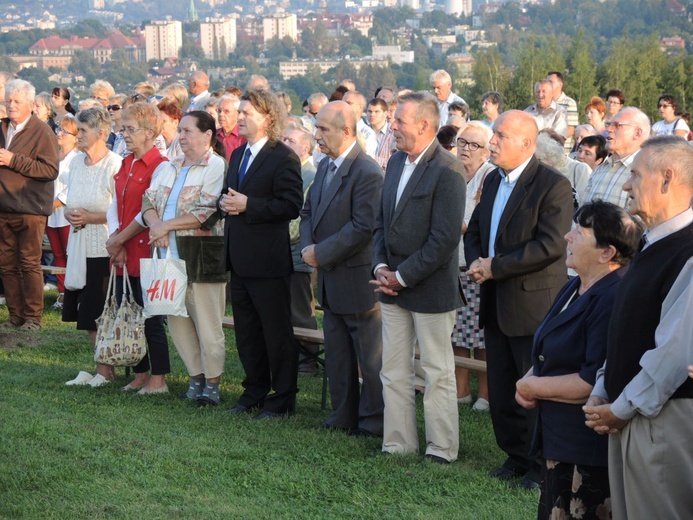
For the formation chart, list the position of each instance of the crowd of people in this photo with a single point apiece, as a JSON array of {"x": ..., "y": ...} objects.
[{"x": 558, "y": 253}]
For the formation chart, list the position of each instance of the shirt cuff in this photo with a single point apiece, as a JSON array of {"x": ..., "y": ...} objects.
[
  {"x": 599, "y": 389},
  {"x": 378, "y": 267},
  {"x": 399, "y": 278},
  {"x": 622, "y": 409}
]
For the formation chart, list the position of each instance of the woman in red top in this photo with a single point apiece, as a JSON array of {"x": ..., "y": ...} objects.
[{"x": 129, "y": 241}]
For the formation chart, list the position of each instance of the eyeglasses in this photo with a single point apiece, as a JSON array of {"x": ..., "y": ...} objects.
[
  {"x": 115, "y": 108},
  {"x": 130, "y": 130},
  {"x": 664, "y": 105},
  {"x": 65, "y": 132},
  {"x": 614, "y": 103},
  {"x": 473, "y": 147},
  {"x": 617, "y": 124}
]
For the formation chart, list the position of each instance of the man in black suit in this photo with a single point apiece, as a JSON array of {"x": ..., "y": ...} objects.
[
  {"x": 415, "y": 245},
  {"x": 262, "y": 193},
  {"x": 514, "y": 247},
  {"x": 337, "y": 224}
]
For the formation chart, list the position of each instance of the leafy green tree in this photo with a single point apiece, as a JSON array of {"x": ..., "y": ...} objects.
[
  {"x": 306, "y": 85},
  {"x": 371, "y": 77},
  {"x": 84, "y": 64},
  {"x": 7, "y": 64},
  {"x": 37, "y": 77},
  {"x": 488, "y": 73},
  {"x": 581, "y": 78}
]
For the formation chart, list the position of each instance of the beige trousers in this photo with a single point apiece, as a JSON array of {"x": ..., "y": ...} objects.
[
  {"x": 402, "y": 331},
  {"x": 651, "y": 465},
  {"x": 199, "y": 338}
]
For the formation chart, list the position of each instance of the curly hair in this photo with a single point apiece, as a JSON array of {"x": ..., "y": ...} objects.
[{"x": 267, "y": 103}]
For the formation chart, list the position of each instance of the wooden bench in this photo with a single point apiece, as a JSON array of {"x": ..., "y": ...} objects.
[
  {"x": 52, "y": 269},
  {"x": 469, "y": 363},
  {"x": 303, "y": 336}
]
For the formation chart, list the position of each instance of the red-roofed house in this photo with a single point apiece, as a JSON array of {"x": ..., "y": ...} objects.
[{"x": 55, "y": 51}]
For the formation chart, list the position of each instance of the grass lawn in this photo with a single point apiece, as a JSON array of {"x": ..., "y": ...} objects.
[{"x": 76, "y": 452}]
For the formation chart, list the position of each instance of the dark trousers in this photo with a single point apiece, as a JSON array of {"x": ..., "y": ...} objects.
[
  {"x": 353, "y": 340},
  {"x": 157, "y": 357},
  {"x": 508, "y": 359},
  {"x": 265, "y": 342},
  {"x": 21, "y": 237}
]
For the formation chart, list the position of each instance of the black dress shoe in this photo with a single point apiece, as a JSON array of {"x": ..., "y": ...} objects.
[
  {"x": 325, "y": 426},
  {"x": 436, "y": 459},
  {"x": 528, "y": 483},
  {"x": 239, "y": 409},
  {"x": 265, "y": 415},
  {"x": 360, "y": 432},
  {"x": 504, "y": 473}
]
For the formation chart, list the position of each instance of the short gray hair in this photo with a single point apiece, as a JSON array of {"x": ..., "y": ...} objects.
[
  {"x": 480, "y": 127},
  {"x": 426, "y": 106},
  {"x": 670, "y": 151},
  {"x": 20, "y": 86},
  {"x": 440, "y": 74},
  {"x": 96, "y": 118},
  {"x": 306, "y": 137}
]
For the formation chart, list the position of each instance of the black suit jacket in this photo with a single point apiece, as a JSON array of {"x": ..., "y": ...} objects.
[
  {"x": 257, "y": 241},
  {"x": 341, "y": 225},
  {"x": 529, "y": 264}
]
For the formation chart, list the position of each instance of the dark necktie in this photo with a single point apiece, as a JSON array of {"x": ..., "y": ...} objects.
[
  {"x": 331, "y": 169},
  {"x": 244, "y": 166}
]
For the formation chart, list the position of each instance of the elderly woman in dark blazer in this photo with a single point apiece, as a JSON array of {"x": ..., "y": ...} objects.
[{"x": 569, "y": 348}]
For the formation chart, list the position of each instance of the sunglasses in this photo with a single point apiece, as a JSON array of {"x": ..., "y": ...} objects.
[{"x": 114, "y": 108}]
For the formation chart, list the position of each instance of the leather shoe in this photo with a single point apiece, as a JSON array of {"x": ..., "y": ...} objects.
[
  {"x": 239, "y": 409},
  {"x": 329, "y": 427},
  {"x": 265, "y": 415},
  {"x": 504, "y": 473},
  {"x": 436, "y": 459},
  {"x": 360, "y": 432},
  {"x": 528, "y": 483}
]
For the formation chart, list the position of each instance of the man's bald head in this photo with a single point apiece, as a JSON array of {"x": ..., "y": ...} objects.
[
  {"x": 514, "y": 139},
  {"x": 335, "y": 128},
  {"x": 198, "y": 82}
]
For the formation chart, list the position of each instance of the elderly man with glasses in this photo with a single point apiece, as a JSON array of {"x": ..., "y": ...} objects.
[{"x": 626, "y": 133}]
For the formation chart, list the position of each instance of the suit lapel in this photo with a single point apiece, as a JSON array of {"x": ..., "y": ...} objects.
[
  {"x": 257, "y": 162},
  {"x": 392, "y": 176},
  {"x": 414, "y": 180},
  {"x": 234, "y": 165}
]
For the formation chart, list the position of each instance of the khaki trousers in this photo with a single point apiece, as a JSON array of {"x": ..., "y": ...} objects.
[
  {"x": 651, "y": 465},
  {"x": 403, "y": 330},
  {"x": 199, "y": 338}
]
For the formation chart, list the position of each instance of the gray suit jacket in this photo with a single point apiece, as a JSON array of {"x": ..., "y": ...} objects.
[
  {"x": 341, "y": 225},
  {"x": 420, "y": 237}
]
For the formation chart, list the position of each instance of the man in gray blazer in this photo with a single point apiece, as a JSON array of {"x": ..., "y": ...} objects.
[
  {"x": 337, "y": 223},
  {"x": 515, "y": 249},
  {"x": 415, "y": 261}
]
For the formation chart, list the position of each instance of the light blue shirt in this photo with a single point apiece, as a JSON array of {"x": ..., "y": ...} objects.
[
  {"x": 505, "y": 189},
  {"x": 171, "y": 209}
]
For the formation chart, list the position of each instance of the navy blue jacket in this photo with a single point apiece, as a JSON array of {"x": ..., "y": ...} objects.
[{"x": 569, "y": 342}]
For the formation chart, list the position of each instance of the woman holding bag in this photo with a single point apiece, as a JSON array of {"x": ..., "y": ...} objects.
[
  {"x": 129, "y": 240},
  {"x": 180, "y": 208},
  {"x": 89, "y": 194}
]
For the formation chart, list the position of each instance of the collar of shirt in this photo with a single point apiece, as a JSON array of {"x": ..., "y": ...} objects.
[
  {"x": 339, "y": 160},
  {"x": 199, "y": 96},
  {"x": 255, "y": 148},
  {"x": 416, "y": 161},
  {"x": 383, "y": 130},
  {"x": 625, "y": 160},
  {"x": 233, "y": 132},
  {"x": 512, "y": 176},
  {"x": 668, "y": 227},
  {"x": 11, "y": 130},
  {"x": 545, "y": 111}
]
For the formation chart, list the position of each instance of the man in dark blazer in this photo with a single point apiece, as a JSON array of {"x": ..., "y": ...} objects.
[
  {"x": 337, "y": 224},
  {"x": 514, "y": 247},
  {"x": 262, "y": 193},
  {"x": 415, "y": 264}
]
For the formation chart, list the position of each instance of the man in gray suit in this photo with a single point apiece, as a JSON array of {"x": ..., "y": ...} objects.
[
  {"x": 337, "y": 223},
  {"x": 415, "y": 266}
]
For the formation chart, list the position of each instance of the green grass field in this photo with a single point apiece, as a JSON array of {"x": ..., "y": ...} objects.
[{"x": 76, "y": 452}]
